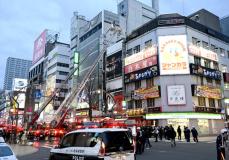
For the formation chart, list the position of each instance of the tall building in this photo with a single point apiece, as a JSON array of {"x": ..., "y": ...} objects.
[
  {"x": 224, "y": 22},
  {"x": 173, "y": 74},
  {"x": 15, "y": 68}
]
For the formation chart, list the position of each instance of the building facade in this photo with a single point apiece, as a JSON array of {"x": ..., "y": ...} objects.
[
  {"x": 224, "y": 22},
  {"x": 15, "y": 68},
  {"x": 173, "y": 74}
]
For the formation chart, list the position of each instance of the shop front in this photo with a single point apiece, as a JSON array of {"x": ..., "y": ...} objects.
[{"x": 205, "y": 123}]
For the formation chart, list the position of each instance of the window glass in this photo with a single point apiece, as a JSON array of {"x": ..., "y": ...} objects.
[
  {"x": 138, "y": 104},
  {"x": 148, "y": 43},
  {"x": 86, "y": 139},
  {"x": 197, "y": 60},
  {"x": 5, "y": 151},
  {"x": 201, "y": 101},
  {"x": 136, "y": 49},
  {"x": 150, "y": 102},
  {"x": 205, "y": 44},
  {"x": 117, "y": 141},
  {"x": 207, "y": 63},
  {"x": 67, "y": 141},
  {"x": 149, "y": 83},
  {"x": 137, "y": 84},
  {"x": 211, "y": 102}
]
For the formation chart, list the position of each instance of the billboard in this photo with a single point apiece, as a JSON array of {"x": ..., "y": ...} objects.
[
  {"x": 144, "y": 93},
  {"x": 176, "y": 95},
  {"x": 21, "y": 100},
  {"x": 39, "y": 47},
  {"x": 141, "y": 64},
  {"x": 19, "y": 84},
  {"x": 173, "y": 55},
  {"x": 207, "y": 91},
  {"x": 146, "y": 53}
]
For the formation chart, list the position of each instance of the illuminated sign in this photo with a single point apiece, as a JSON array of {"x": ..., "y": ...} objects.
[
  {"x": 173, "y": 55},
  {"x": 207, "y": 91},
  {"x": 154, "y": 109},
  {"x": 19, "y": 84},
  {"x": 205, "y": 72},
  {"x": 202, "y": 52},
  {"x": 141, "y": 64},
  {"x": 135, "y": 112},
  {"x": 39, "y": 47},
  {"x": 143, "y": 74},
  {"x": 176, "y": 95},
  {"x": 146, "y": 53},
  {"x": 145, "y": 93},
  {"x": 181, "y": 115}
]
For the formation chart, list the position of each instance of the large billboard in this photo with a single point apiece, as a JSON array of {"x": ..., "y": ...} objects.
[
  {"x": 145, "y": 93},
  {"x": 207, "y": 91},
  {"x": 173, "y": 55},
  {"x": 19, "y": 84},
  {"x": 39, "y": 47},
  {"x": 176, "y": 95}
]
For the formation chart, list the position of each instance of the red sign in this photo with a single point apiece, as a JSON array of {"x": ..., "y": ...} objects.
[
  {"x": 226, "y": 77},
  {"x": 118, "y": 102},
  {"x": 141, "y": 64},
  {"x": 39, "y": 47}
]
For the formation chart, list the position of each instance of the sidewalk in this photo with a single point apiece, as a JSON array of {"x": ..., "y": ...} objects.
[{"x": 21, "y": 150}]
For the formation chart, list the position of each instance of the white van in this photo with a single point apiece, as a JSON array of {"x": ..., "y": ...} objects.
[{"x": 95, "y": 144}]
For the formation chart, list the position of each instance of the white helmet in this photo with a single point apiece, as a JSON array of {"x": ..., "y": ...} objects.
[{"x": 223, "y": 131}]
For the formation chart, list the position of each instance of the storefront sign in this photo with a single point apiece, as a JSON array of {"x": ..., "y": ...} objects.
[
  {"x": 207, "y": 91},
  {"x": 135, "y": 112},
  {"x": 146, "y": 53},
  {"x": 205, "y": 72},
  {"x": 154, "y": 109},
  {"x": 145, "y": 93},
  {"x": 173, "y": 55},
  {"x": 202, "y": 52},
  {"x": 176, "y": 95},
  {"x": 184, "y": 116},
  {"x": 141, "y": 64},
  {"x": 226, "y": 77},
  {"x": 83, "y": 113},
  {"x": 143, "y": 74}
]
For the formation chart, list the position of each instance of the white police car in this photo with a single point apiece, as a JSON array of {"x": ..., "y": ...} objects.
[
  {"x": 6, "y": 152},
  {"x": 95, "y": 144}
]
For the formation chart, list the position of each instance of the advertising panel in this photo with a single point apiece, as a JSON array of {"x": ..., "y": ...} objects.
[
  {"x": 173, "y": 55},
  {"x": 141, "y": 64},
  {"x": 146, "y": 53},
  {"x": 114, "y": 65},
  {"x": 39, "y": 47},
  {"x": 19, "y": 84},
  {"x": 144, "y": 93},
  {"x": 207, "y": 91},
  {"x": 205, "y": 72},
  {"x": 202, "y": 52},
  {"x": 176, "y": 95},
  {"x": 142, "y": 74},
  {"x": 21, "y": 100}
]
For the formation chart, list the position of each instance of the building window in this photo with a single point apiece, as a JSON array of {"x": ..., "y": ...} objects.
[
  {"x": 58, "y": 81},
  {"x": 138, "y": 104},
  {"x": 205, "y": 44},
  {"x": 215, "y": 65},
  {"x": 148, "y": 43},
  {"x": 218, "y": 83},
  {"x": 63, "y": 73},
  {"x": 197, "y": 60},
  {"x": 137, "y": 84},
  {"x": 130, "y": 105},
  {"x": 219, "y": 103},
  {"x": 227, "y": 54},
  {"x": 202, "y": 80},
  {"x": 149, "y": 83},
  {"x": 222, "y": 52},
  {"x": 136, "y": 49},
  {"x": 211, "y": 102},
  {"x": 201, "y": 101},
  {"x": 213, "y": 47},
  {"x": 129, "y": 52},
  {"x": 195, "y": 41},
  {"x": 150, "y": 102},
  {"x": 207, "y": 63},
  {"x": 209, "y": 80},
  {"x": 223, "y": 68}
]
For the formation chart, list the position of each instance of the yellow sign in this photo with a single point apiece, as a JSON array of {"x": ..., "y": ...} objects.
[
  {"x": 135, "y": 112},
  {"x": 145, "y": 93},
  {"x": 208, "y": 91}
]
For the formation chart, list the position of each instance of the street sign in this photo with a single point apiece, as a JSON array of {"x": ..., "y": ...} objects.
[{"x": 37, "y": 94}]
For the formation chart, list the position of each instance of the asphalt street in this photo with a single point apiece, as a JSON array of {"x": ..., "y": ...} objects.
[{"x": 159, "y": 151}]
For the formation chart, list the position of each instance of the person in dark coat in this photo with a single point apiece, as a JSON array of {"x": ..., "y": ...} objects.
[
  {"x": 143, "y": 139},
  {"x": 179, "y": 132},
  {"x": 138, "y": 142},
  {"x": 160, "y": 133},
  {"x": 166, "y": 132},
  {"x": 147, "y": 136},
  {"x": 221, "y": 144},
  {"x": 187, "y": 134},
  {"x": 172, "y": 136},
  {"x": 194, "y": 134}
]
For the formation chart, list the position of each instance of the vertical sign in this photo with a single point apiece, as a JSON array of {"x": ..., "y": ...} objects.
[{"x": 39, "y": 47}]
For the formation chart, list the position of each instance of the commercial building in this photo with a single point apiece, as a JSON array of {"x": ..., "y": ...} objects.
[
  {"x": 224, "y": 22},
  {"x": 15, "y": 68},
  {"x": 173, "y": 74}
]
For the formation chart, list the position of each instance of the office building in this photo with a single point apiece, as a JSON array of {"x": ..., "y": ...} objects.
[
  {"x": 15, "y": 68},
  {"x": 224, "y": 22}
]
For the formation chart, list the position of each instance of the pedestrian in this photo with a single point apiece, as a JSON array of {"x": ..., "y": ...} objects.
[
  {"x": 221, "y": 144},
  {"x": 194, "y": 134},
  {"x": 160, "y": 133},
  {"x": 187, "y": 134},
  {"x": 179, "y": 132},
  {"x": 172, "y": 136},
  {"x": 138, "y": 142},
  {"x": 156, "y": 132},
  {"x": 143, "y": 139},
  {"x": 166, "y": 132},
  {"x": 147, "y": 136}
]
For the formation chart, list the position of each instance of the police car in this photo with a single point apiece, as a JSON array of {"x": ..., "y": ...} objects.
[
  {"x": 6, "y": 152},
  {"x": 95, "y": 144}
]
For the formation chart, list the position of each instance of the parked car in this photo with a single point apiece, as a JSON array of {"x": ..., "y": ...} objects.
[
  {"x": 96, "y": 144},
  {"x": 6, "y": 152}
]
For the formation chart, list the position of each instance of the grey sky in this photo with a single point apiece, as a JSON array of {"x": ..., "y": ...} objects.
[{"x": 21, "y": 21}]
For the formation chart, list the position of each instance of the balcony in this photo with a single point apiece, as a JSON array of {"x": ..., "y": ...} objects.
[{"x": 207, "y": 109}]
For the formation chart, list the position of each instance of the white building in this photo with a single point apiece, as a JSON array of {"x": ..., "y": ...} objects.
[{"x": 173, "y": 74}]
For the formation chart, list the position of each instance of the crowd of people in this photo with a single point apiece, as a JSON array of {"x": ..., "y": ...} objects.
[{"x": 167, "y": 132}]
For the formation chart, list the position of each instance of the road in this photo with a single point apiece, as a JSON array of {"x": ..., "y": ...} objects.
[{"x": 204, "y": 150}]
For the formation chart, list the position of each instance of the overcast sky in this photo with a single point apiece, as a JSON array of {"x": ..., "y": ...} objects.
[{"x": 21, "y": 21}]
